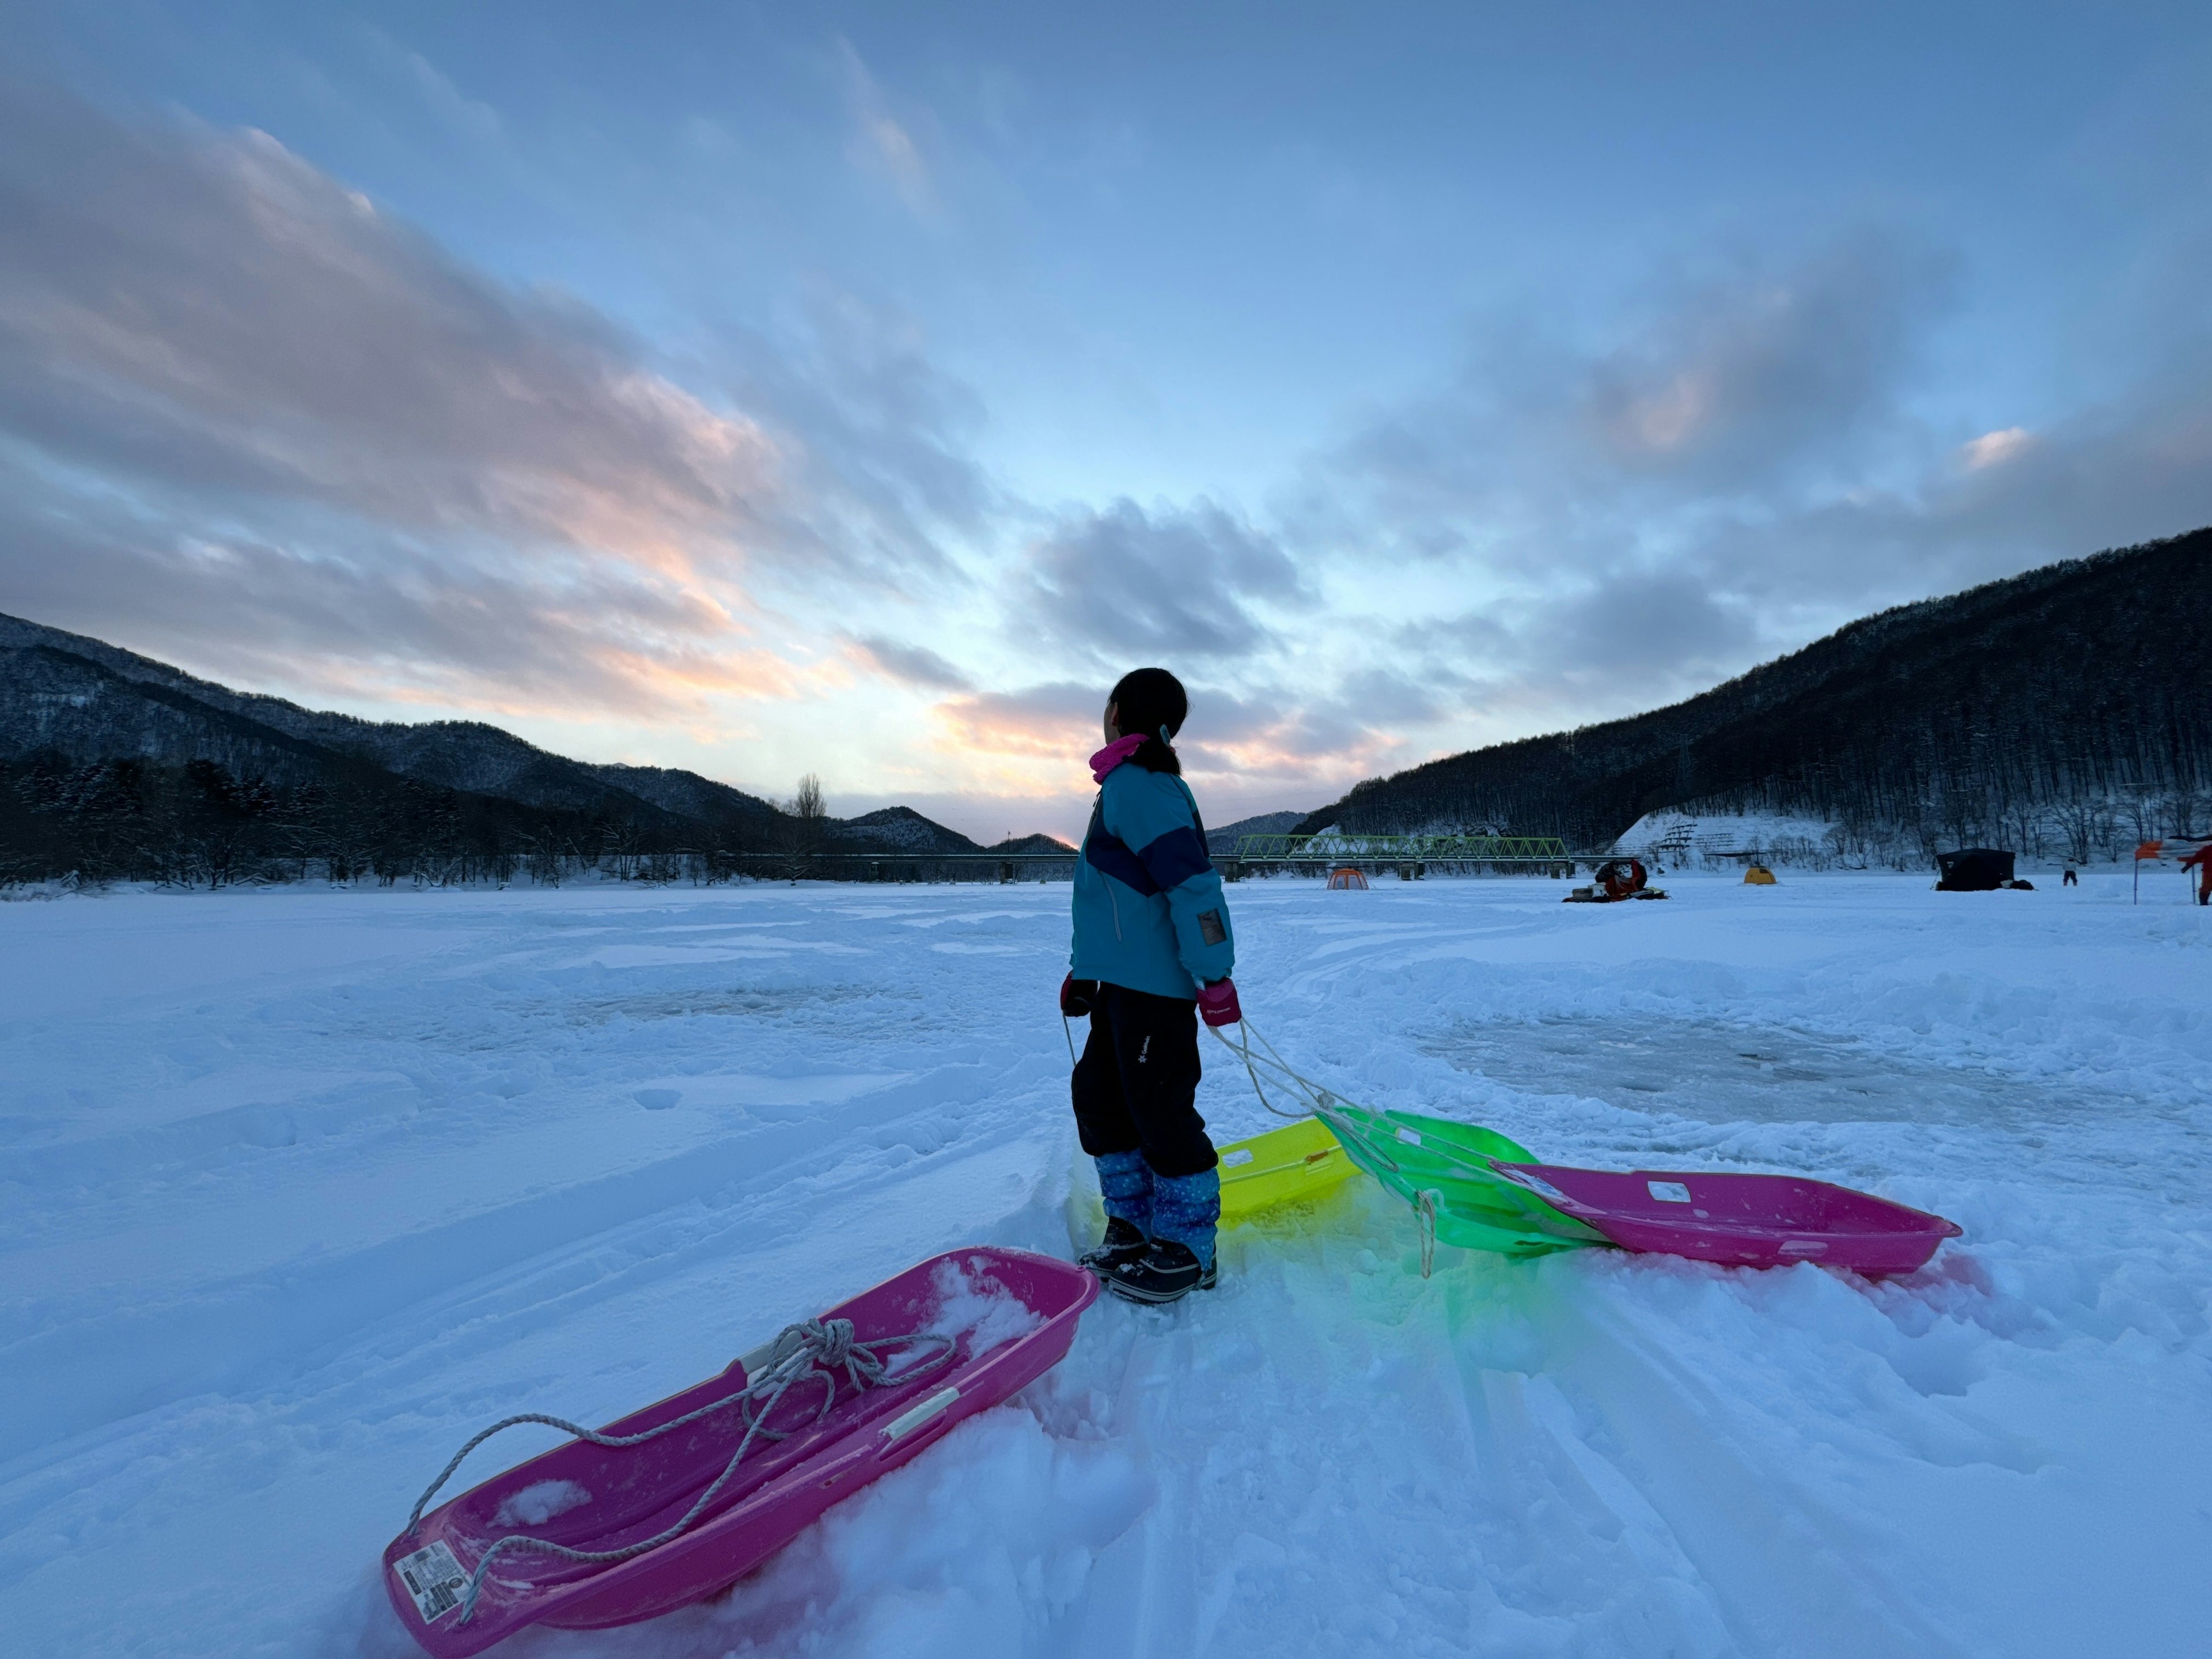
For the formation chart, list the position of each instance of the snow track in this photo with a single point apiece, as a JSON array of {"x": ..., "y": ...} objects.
[{"x": 300, "y": 1188}]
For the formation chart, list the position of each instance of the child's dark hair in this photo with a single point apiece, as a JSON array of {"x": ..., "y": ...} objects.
[{"x": 1150, "y": 701}]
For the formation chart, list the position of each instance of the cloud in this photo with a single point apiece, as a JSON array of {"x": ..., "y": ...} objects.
[
  {"x": 1746, "y": 379},
  {"x": 911, "y": 664},
  {"x": 452, "y": 106},
  {"x": 1058, "y": 720},
  {"x": 1195, "y": 583},
  {"x": 250, "y": 419},
  {"x": 1246, "y": 751},
  {"x": 208, "y": 311},
  {"x": 226, "y": 378},
  {"x": 1995, "y": 448},
  {"x": 882, "y": 145},
  {"x": 1636, "y": 624},
  {"x": 1743, "y": 377},
  {"x": 385, "y": 619},
  {"x": 878, "y": 470},
  {"x": 2112, "y": 475},
  {"x": 1735, "y": 463}
]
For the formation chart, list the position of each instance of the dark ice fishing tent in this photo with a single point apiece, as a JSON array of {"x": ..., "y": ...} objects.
[{"x": 1974, "y": 870}]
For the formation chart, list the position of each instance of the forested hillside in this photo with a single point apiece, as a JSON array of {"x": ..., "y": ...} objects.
[
  {"x": 2070, "y": 706},
  {"x": 116, "y": 767}
]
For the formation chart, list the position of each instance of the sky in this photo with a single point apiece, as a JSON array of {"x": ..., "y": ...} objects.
[{"x": 861, "y": 390}]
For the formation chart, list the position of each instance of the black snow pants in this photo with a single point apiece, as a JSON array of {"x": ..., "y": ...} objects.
[{"x": 1136, "y": 1086}]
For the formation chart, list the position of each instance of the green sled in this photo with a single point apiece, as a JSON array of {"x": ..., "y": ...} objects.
[{"x": 1442, "y": 1168}]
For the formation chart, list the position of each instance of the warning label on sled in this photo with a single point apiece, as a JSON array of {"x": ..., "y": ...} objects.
[
  {"x": 1534, "y": 1183},
  {"x": 434, "y": 1577}
]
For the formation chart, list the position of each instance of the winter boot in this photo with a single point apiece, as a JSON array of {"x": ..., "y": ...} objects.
[
  {"x": 1187, "y": 1209},
  {"x": 1125, "y": 1182},
  {"x": 1124, "y": 1241},
  {"x": 1166, "y": 1272}
]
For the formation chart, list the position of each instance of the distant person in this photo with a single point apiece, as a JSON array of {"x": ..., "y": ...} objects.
[
  {"x": 2202, "y": 859},
  {"x": 2069, "y": 879},
  {"x": 1152, "y": 953}
]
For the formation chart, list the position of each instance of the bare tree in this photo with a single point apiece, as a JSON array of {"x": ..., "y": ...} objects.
[
  {"x": 806, "y": 805},
  {"x": 805, "y": 827},
  {"x": 2081, "y": 821}
]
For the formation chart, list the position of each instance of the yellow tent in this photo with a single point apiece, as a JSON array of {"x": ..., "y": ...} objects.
[{"x": 1757, "y": 875}]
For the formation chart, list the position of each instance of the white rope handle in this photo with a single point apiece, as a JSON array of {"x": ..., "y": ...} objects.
[
  {"x": 1322, "y": 1101},
  {"x": 812, "y": 1350}
]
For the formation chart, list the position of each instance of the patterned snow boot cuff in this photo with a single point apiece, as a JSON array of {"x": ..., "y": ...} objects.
[
  {"x": 1187, "y": 1209},
  {"x": 1125, "y": 1181}
]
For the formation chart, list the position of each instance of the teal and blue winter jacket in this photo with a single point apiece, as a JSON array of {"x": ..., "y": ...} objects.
[{"x": 1149, "y": 914}]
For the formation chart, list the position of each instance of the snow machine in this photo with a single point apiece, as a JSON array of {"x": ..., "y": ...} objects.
[
  {"x": 1298, "y": 1161},
  {"x": 1745, "y": 1220},
  {"x": 1615, "y": 880},
  {"x": 1447, "y": 1172},
  {"x": 676, "y": 1502}
]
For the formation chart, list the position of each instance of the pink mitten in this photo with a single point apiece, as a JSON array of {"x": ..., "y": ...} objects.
[{"x": 1217, "y": 1003}]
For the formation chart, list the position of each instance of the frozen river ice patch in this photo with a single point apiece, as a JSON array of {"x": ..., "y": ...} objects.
[{"x": 303, "y": 1187}]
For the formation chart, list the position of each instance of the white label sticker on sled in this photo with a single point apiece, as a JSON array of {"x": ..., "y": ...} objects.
[
  {"x": 1537, "y": 1183},
  {"x": 434, "y": 1577},
  {"x": 1668, "y": 1192}
]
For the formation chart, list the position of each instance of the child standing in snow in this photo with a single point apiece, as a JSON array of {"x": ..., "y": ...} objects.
[{"x": 1152, "y": 951}]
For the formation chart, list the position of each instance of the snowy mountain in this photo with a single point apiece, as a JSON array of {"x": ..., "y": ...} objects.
[
  {"x": 1021, "y": 846},
  {"x": 688, "y": 795},
  {"x": 898, "y": 828},
  {"x": 112, "y": 759},
  {"x": 2072, "y": 705},
  {"x": 1225, "y": 839}
]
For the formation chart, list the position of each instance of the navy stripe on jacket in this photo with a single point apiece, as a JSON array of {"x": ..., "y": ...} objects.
[
  {"x": 1175, "y": 858},
  {"x": 1106, "y": 852}
]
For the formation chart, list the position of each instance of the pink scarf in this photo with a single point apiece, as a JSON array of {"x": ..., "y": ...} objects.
[{"x": 1112, "y": 755}]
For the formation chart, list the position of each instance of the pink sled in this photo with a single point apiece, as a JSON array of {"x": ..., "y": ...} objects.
[
  {"x": 781, "y": 1486},
  {"x": 1745, "y": 1220}
]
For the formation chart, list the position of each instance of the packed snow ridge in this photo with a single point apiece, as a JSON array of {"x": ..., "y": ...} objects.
[{"x": 304, "y": 1188}]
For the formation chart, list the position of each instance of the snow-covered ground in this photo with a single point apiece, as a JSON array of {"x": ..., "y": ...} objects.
[{"x": 299, "y": 1189}]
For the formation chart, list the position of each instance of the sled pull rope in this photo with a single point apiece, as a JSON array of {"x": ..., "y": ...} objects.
[
  {"x": 1271, "y": 1063},
  {"x": 1329, "y": 1107},
  {"x": 1424, "y": 1215},
  {"x": 812, "y": 1350}
]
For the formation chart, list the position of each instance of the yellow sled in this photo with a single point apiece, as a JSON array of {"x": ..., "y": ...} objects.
[{"x": 1300, "y": 1160}]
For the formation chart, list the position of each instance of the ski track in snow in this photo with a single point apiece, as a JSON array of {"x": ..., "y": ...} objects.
[{"x": 301, "y": 1189}]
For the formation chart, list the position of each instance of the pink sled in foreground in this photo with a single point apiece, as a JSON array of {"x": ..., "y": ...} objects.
[{"x": 778, "y": 1489}]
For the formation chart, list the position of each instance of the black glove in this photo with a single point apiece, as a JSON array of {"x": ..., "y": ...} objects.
[{"x": 1076, "y": 996}]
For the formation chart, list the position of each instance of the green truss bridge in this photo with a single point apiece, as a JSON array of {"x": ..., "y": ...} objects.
[{"x": 1333, "y": 846}]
